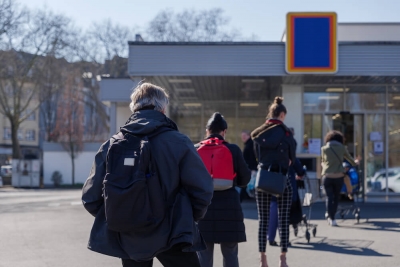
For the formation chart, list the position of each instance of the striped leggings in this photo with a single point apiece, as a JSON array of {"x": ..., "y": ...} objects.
[{"x": 263, "y": 207}]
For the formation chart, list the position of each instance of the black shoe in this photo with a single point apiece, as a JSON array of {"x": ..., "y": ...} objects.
[{"x": 273, "y": 243}]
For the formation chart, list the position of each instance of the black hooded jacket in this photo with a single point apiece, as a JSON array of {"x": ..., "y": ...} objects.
[
  {"x": 223, "y": 221},
  {"x": 274, "y": 146},
  {"x": 180, "y": 169}
]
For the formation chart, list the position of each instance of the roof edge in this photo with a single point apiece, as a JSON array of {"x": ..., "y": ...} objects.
[
  {"x": 254, "y": 43},
  {"x": 203, "y": 43}
]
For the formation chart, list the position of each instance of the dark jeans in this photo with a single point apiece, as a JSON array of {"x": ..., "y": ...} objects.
[
  {"x": 332, "y": 189},
  {"x": 174, "y": 257},
  {"x": 229, "y": 253}
]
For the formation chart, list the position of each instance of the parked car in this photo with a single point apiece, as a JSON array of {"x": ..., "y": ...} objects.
[
  {"x": 378, "y": 181},
  {"x": 6, "y": 174},
  {"x": 393, "y": 184}
]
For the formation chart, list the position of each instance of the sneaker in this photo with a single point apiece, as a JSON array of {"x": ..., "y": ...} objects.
[
  {"x": 333, "y": 223},
  {"x": 329, "y": 221}
]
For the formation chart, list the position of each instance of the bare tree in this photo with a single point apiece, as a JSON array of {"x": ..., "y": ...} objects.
[
  {"x": 101, "y": 51},
  {"x": 51, "y": 80},
  {"x": 191, "y": 26},
  {"x": 69, "y": 129},
  {"x": 23, "y": 48},
  {"x": 11, "y": 16},
  {"x": 106, "y": 42}
]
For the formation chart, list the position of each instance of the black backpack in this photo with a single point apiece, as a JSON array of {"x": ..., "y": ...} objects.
[{"x": 133, "y": 197}]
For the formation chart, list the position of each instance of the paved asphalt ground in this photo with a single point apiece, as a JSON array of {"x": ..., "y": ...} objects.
[{"x": 40, "y": 228}]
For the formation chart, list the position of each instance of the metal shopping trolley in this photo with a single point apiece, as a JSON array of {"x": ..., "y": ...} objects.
[{"x": 309, "y": 190}]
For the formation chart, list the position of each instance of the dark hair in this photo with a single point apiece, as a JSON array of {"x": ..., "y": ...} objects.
[
  {"x": 216, "y": 123},
  {"x": 334, "y": 136},
  {"x": 276, "y": 108}
]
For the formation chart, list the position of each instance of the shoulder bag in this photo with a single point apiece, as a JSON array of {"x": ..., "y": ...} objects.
[{"x": 273, "y": 183}]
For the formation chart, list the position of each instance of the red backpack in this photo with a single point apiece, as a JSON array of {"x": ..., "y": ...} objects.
[{"x": 219, "y": 162}]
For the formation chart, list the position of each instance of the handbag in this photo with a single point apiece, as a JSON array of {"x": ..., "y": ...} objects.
[{"x": 273, "y": 183}]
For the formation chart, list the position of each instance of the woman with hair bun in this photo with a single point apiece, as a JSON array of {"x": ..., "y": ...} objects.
[
  {"x": 223, "y": 222},
  {"x": 275, "y": 148}
]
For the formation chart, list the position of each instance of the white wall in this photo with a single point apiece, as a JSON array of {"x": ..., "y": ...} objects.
[
  {"x": 60, "y": 161},
  {"x": 293, "y": 101},
  {"x": 123, "y": 113},
  {"x": 366, "y": 32}
]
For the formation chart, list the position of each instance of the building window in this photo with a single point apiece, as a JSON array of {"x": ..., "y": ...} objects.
[
  {"x": 30, "y": 135},
  {"x": 7, "y": 133},
  {"x": 20, "y": 135},
  {"x": 32, "y": 115}
]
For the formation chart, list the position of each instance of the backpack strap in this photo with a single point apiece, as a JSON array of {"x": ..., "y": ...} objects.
[
  {"x": 213, "y": 141},
  {"x": 115, "y": 137}
]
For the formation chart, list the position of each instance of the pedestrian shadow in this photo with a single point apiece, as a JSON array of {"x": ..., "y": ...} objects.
[
  {"x": 350, "y": 246},
  {"x": 375, "y": 226}
]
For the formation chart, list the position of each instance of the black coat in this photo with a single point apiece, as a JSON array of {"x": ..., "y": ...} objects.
[
  {"x": 179, "y": 168},
  {"x": 249, "y": 156},
  {"x": 223, "y": 221},
  {"x": 275, "y": 145}
]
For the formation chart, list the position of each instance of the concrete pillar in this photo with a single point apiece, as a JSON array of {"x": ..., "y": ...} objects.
[
  {"x": 293, "y": 101},
  {"x": 113, "y": 118}
]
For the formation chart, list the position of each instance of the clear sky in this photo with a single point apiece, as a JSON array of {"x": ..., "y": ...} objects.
[{"x": 264, "y": 18}]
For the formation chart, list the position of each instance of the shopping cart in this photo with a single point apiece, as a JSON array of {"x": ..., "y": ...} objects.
[{"x": 309, "y": 192}]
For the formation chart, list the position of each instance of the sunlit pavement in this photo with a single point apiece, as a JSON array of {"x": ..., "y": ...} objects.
[{"x": 50, "y": 228}]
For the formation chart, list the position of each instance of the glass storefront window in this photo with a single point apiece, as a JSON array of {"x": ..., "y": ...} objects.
[
  {"x": 312, "y": 129},
  {"x": 188, "y": 117},
  {"x": 394, "y": 98},
  {"x": 251, "y": 115},
  {"x": 375, "y": 164},
  {"x": 393, "y": 182},
  {"x": 361, "y": 98},
  {"x": 322, "y": 99}
]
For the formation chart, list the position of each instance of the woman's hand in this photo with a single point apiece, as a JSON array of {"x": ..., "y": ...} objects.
[{"x": 299, "y": 177}]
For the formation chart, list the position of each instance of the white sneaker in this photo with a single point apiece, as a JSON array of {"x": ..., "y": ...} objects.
[
  {"x": 333, "y": 223},
  {"x": 329, "y": 221}
]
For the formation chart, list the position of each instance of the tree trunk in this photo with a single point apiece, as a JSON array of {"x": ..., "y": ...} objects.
[
  {"x": 72, "y": 161},
  {"x": 16, "y": 150},
  {"x": 73, "y": 170}
]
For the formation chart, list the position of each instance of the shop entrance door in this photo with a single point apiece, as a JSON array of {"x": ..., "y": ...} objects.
[{"x": 351, "y": 125}]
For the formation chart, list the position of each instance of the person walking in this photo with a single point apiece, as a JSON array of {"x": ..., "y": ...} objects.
[
  {"x": 250, "y": 158},
  {"x": 223, "y": 223},
  {"x": 276, "y": 150},
  {"x": 186, "y": 189},
  {"x": 295, "y": 173},
  {"x": 333, "y": 153}
]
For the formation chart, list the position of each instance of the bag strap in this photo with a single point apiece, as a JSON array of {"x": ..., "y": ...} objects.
[
  {"x": 335, "y": 154},
  {"x": 212, "y": 141}
]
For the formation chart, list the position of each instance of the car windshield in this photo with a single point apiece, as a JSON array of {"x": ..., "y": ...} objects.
[{"x": 391, "y": 173}]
